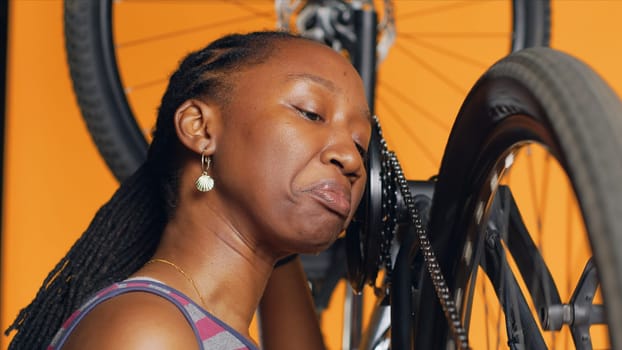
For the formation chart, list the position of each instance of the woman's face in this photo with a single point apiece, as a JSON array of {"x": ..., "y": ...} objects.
[{"x": 290, "y": 162}]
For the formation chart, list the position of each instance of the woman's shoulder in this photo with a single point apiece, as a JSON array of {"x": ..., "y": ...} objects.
[{"x": 131, "y": 321}]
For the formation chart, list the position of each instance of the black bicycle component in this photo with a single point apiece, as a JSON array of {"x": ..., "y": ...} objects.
[
  {"x": 330, "y": 22},
  {"x": 580, "y": 313},
  {"x": 541, "y": 285},
  {"x": 407, "y": 273},
  {"x": 532, "y": 24},
  {"x": 363, "y": 54},
  {"x": 344, "y": 28},
  {"x": 362, "y": 238},
  {"x": 442, "y": 291},
  {"x": 584, "y": 313},
  {"x": 401, "y": 293},
  {"x": 535, "y": 96},
  {"x": 521, "y": 327}
]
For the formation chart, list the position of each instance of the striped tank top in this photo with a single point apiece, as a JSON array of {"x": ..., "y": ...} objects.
[{"x": 211, "y": 333}]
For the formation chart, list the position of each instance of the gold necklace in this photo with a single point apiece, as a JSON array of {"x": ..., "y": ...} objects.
[{"x": 180, "y": 270}]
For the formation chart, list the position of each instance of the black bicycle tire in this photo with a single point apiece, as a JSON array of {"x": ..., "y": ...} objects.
[
  {"x": 97, "y": 85},
  {"x": 582, "y": 117},
  {"x": 531, "y": 22},
  {"x": 101, "y": 98}
]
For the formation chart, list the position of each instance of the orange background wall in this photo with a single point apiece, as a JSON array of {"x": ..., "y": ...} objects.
[{"x": 55, "y": 179}]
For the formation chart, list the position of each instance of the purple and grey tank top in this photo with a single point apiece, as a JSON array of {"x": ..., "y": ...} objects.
[{"x": 211, "y": 333}]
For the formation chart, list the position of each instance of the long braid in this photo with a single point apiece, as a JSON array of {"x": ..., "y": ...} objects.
[
  {"x": 84, "y": 269},
  {"x": 125, "y": 232}
]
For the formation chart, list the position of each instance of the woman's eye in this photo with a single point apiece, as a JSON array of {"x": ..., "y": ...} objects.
[{"x": 309, "y": 115}]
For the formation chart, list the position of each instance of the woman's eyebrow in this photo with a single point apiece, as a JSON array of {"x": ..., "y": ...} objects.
[
  {"x": 328, "y": 85},
  {"x": 314, "y": 78}
]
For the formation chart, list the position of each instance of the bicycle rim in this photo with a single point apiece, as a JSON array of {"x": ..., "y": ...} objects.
[
  {"x": 120, "y": 70},
  {"x": 533, "y": 117}
]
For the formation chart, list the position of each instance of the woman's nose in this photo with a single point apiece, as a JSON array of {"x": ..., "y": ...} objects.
[{"x": 345, "y": 155}]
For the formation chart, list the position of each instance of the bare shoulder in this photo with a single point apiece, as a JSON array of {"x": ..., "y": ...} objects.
[{"x": 136, "y": 320}]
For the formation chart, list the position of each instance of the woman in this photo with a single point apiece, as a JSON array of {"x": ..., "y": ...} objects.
[{"x": 258, "y": 154}]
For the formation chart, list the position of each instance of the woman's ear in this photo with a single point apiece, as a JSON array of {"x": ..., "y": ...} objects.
[{"x": 198, "y": 125}]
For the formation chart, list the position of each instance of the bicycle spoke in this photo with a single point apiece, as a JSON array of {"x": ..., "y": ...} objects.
[
  {"x": 436, "y": 9},
  {"x": 458, "y": 56},
  {"x": 421, "y": 111},
  {"x": 530, "y": 262},
  {"x": 421, "y": 146},
  {"x": 185, "y": 31},
  {"x": 447, "y": 80},
  {"x": 519, "y": 320},
  {"x": 521, "y": 326}
]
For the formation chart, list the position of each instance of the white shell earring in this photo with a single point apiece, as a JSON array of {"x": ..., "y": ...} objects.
[{"x": 205, "y": 182}]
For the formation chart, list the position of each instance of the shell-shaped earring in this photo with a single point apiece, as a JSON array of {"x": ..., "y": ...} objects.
[{"x": 205, "y": 182}]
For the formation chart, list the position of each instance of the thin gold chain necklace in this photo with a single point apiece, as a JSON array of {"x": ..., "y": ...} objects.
[{"x": 180, "y": 270}]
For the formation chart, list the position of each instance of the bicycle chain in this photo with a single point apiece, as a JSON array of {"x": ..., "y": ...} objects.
[{"x": 436, "y": 275}]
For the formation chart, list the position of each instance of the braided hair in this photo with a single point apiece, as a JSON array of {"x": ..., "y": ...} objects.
[{"x": 126, "y": 230}]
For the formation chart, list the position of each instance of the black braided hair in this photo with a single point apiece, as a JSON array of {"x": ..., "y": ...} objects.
[{"x": 127, "y": 229}]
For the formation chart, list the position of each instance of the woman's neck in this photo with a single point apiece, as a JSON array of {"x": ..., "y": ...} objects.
[{"x": 230, "y": 270}]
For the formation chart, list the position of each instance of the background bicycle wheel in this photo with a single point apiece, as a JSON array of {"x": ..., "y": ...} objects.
[
  {"x": 40, "y": 222},
  {"x": 121, "y": 64}
]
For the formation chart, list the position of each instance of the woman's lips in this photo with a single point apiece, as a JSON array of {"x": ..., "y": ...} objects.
[{"x": 333, "y": 196}]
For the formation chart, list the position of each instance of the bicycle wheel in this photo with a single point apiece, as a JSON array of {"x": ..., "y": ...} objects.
[
  {"x": 527, "y": 210},
  {"x": 119, "y": 69}
]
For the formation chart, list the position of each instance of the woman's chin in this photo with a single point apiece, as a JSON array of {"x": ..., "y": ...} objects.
[{"x": 318, "y": 243}]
